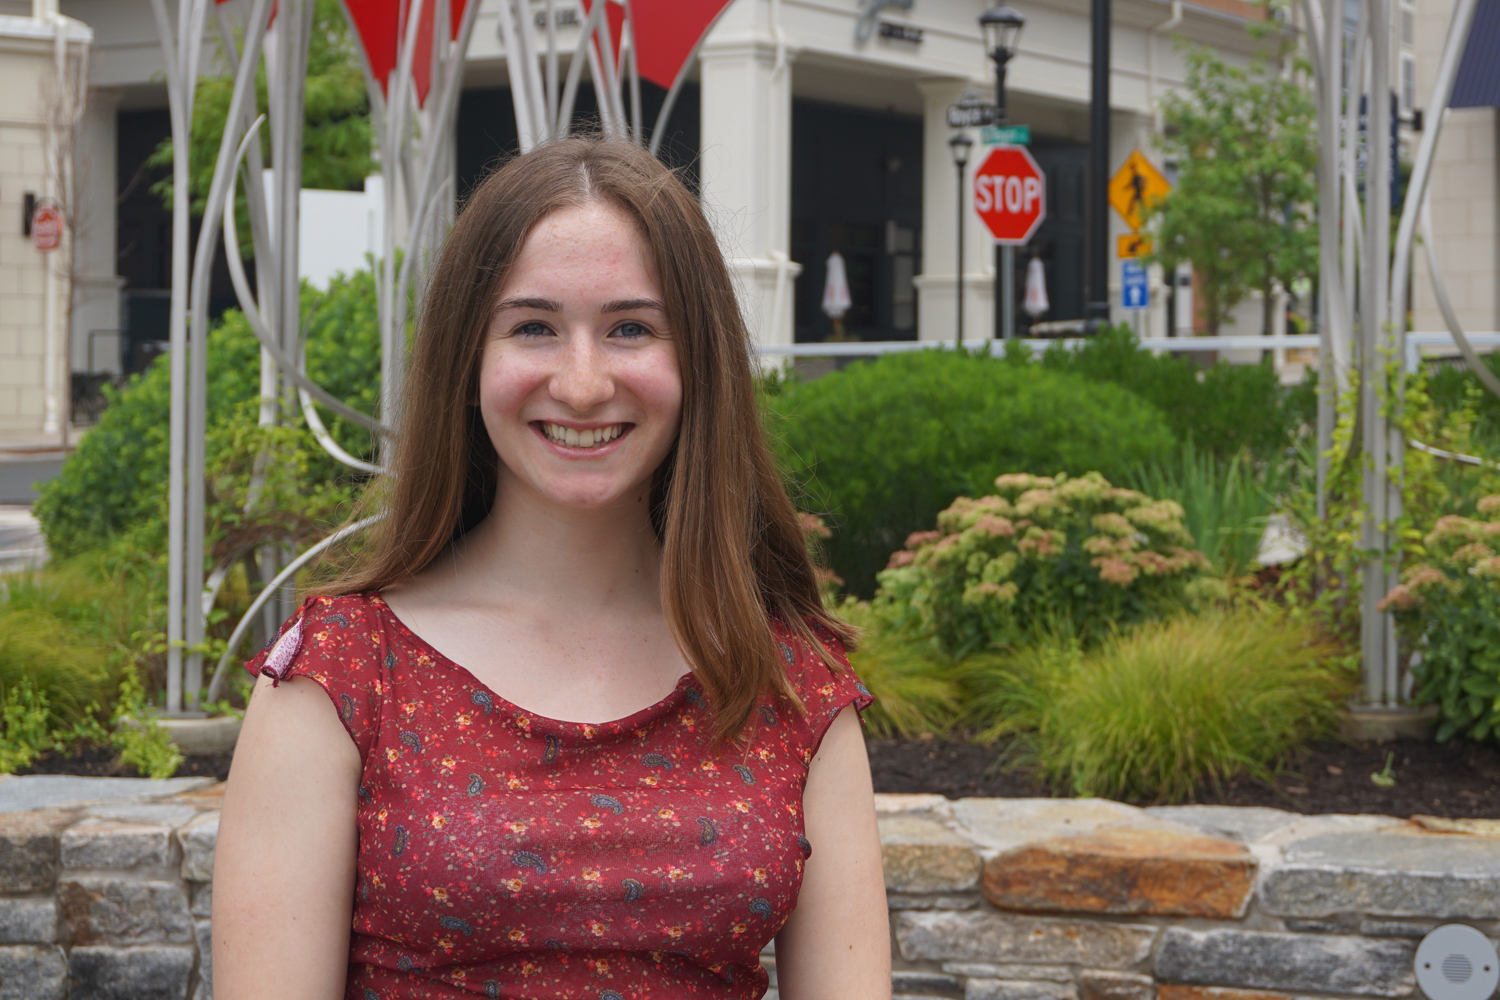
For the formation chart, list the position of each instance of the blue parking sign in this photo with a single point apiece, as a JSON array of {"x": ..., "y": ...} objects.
[{"x": 1135, "y": 293}]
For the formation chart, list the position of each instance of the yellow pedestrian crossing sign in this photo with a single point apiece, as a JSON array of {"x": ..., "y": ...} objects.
[{"x": 1136, "y": 186}]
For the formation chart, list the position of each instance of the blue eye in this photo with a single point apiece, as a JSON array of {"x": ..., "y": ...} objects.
[
  {"x": 632, "y": 330},
  {"x": 533, "y": 329}
]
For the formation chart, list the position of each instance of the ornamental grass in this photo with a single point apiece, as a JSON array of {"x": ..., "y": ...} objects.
[{"x": 1159, "y": 713}]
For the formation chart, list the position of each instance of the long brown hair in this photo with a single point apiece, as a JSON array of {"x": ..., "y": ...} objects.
[{"x": 734, "y": 557}]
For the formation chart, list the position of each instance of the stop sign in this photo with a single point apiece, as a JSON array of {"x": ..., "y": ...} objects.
[
  {"x": 1010, "y": 194},
  {"x": 46, "y": 228}
]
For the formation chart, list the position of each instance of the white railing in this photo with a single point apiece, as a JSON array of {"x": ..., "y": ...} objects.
[{"x": 1415, "y": 342}]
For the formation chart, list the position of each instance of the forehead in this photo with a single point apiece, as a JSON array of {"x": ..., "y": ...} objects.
[{"x": 596, "y": 242}]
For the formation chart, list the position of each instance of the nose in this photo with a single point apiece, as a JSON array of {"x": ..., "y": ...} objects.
[{"x": 582, "y": 380}]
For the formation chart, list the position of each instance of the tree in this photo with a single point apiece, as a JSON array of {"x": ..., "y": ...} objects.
[
  {"x": 1245, "y": 141},
  {"x": 336, "y": 136}
]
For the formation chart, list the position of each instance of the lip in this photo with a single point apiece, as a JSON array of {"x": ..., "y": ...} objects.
[{"x": 578, "y": 454}]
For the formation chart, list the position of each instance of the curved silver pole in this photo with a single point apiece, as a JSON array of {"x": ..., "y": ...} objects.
[
  {"x": 257, "y": 322},
  {"x": 1451, "y": 456},
  {"x": 215, "y": 686},
  {"x": 1440, "y": 292}
]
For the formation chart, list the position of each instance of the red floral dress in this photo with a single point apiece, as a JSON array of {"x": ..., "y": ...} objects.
[{"x": 502, "y": 854}]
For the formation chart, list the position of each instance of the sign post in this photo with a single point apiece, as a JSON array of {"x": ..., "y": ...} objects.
[
  {"x": 1010, "y": 197},
  {"x": 1134, "y": 188}
]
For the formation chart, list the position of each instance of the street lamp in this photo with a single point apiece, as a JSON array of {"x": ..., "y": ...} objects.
[
  {"x": 959, "y": 145},
  {"x": 1002, "y": 34}
]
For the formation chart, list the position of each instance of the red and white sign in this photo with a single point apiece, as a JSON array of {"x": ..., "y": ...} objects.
[
  {"x": 1010, "y": 194},
  {"x": 46, "y": 228}
]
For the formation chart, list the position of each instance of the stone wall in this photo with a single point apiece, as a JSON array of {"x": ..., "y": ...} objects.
[{"x": 990, "y": 899}]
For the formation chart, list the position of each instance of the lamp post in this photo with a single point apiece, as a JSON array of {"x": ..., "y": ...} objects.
[
  {"x": 959, "y": 145},
  {"x": 1002, "y": 33}
]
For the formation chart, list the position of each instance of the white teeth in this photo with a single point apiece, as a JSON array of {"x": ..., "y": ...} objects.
[{"x": 589, "y": 438}]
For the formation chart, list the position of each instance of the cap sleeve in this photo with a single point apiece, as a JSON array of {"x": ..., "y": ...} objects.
[
  {"x": 339, "y": 643},
  {"x": 824, "y": 692}
]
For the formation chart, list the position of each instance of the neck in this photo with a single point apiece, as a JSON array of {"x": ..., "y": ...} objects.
[{"x": 581, "y": 559}]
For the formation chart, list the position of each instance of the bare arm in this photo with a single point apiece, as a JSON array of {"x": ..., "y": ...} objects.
[
  {"x": 836, "y": 944},
  {"x": 285, "y": 861}
]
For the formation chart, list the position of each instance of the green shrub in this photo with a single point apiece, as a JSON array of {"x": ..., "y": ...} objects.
[
  {"x": 911, "y": 678},
  {"x": 1451, "y": 604},
  {"x": 1155, "y": 713},
  {"x": 1223, "y": 408},
  {"x": 1226, "y": 501},
  {"x": 1075, "y": 555},
  {"x": 116, "y": 479},
  {"x": 883, "y": 446}
]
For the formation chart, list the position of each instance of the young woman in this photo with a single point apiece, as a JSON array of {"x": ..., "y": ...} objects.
[{"x": 576, "y": 724}]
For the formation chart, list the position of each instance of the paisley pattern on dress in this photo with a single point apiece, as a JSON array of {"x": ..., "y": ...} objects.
[{"x": 503, "y": 854}]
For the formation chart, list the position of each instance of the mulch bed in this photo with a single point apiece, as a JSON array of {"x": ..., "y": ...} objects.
[{"x": 1456, "y": 779}]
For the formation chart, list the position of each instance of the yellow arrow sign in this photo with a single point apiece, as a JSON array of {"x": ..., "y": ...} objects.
[{"x": 1136, "y": 186}]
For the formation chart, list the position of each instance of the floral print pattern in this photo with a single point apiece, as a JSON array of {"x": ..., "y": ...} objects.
[{"x": 502, "y": 854}]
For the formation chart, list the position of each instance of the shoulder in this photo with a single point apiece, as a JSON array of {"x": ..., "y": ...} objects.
[
  {"x": 340, "y": 643},
  {"x": 818, "y": 671}
]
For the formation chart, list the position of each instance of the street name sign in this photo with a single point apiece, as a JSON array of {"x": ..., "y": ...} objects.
[
  {"x": 1135, "y": 293},
  {"x": 1010, "y": 194},
  {"x": 971, "y": 114},
  {"x": 1005, "y": 135}
]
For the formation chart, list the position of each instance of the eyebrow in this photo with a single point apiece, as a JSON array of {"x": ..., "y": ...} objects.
[
  {"x": 627, "y": 305},
  {"x": 545, "y": 305}
]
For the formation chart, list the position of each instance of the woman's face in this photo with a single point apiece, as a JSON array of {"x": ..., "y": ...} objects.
[{"x": 578, "y": 385}]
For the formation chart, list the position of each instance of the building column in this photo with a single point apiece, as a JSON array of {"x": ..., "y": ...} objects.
[
  {"x": 96, "y": 286},
  {"x": 746, "y": 163},
  {"x": 937, "y": 305}
]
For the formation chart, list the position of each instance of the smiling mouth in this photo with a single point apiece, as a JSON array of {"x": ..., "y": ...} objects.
[{"x": 570, "y": 437}]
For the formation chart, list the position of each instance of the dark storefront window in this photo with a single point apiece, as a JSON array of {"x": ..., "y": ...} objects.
[{"x": 857, "y": 189}]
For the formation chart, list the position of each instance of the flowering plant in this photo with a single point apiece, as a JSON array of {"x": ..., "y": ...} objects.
[
  {"x": 1452, "y": 603},
  {"x": 1044, "y": 553}
]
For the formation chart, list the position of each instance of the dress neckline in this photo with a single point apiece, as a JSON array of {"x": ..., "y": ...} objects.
[{"x": 585, "y": 729}]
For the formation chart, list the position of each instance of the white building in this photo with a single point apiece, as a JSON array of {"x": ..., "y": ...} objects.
[
  {"x": 808, "y": 127},
  {"x": 1465, "y": 187}
]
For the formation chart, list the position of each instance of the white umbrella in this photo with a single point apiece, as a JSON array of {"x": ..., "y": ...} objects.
[
  {"x": 836, "y": 288},
  {"x": 1036, "y": 289},
  {"x": 836, "y": 299}
]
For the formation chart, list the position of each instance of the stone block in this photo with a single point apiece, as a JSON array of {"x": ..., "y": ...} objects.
[
  {"x": 99, "y": 908},
  {"x": 147, "y": 813},
  {"x": 1243, "y": 823},
  {"x": 156, "y": 972},
  {"x": 203, "y": 936},
  {"x": 41, "y": 791},
  {"x": 988, "y": 970},
  {"x": 901, "y": 901},
  {"x": 1472, "y": 827},
  {"x": 29, "y": 848},
  {"x": 1289, "y": 962},
  {"x": 1098, "y": 984},
  {"x": 921, "y": 855},
  {"x": 203, "y": 900},
  {"x": 1390, "y": 874},
  {"x": 1173, "y": 991},
  {"x": 1016, "y": 989},
  {"x": 198, "y": 839},
  {"x": 1125, "y": 870},
  {"x": 890, "y": 803},
  {"x": 909, "y": 981},
  {"x": 1005, "y": 938},
  {"x": 28, "y": 921},
  {"x": 103, "y": 843},
  {"x": 1001, "y": 824},
  {"x": 31, "y": 973}
]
